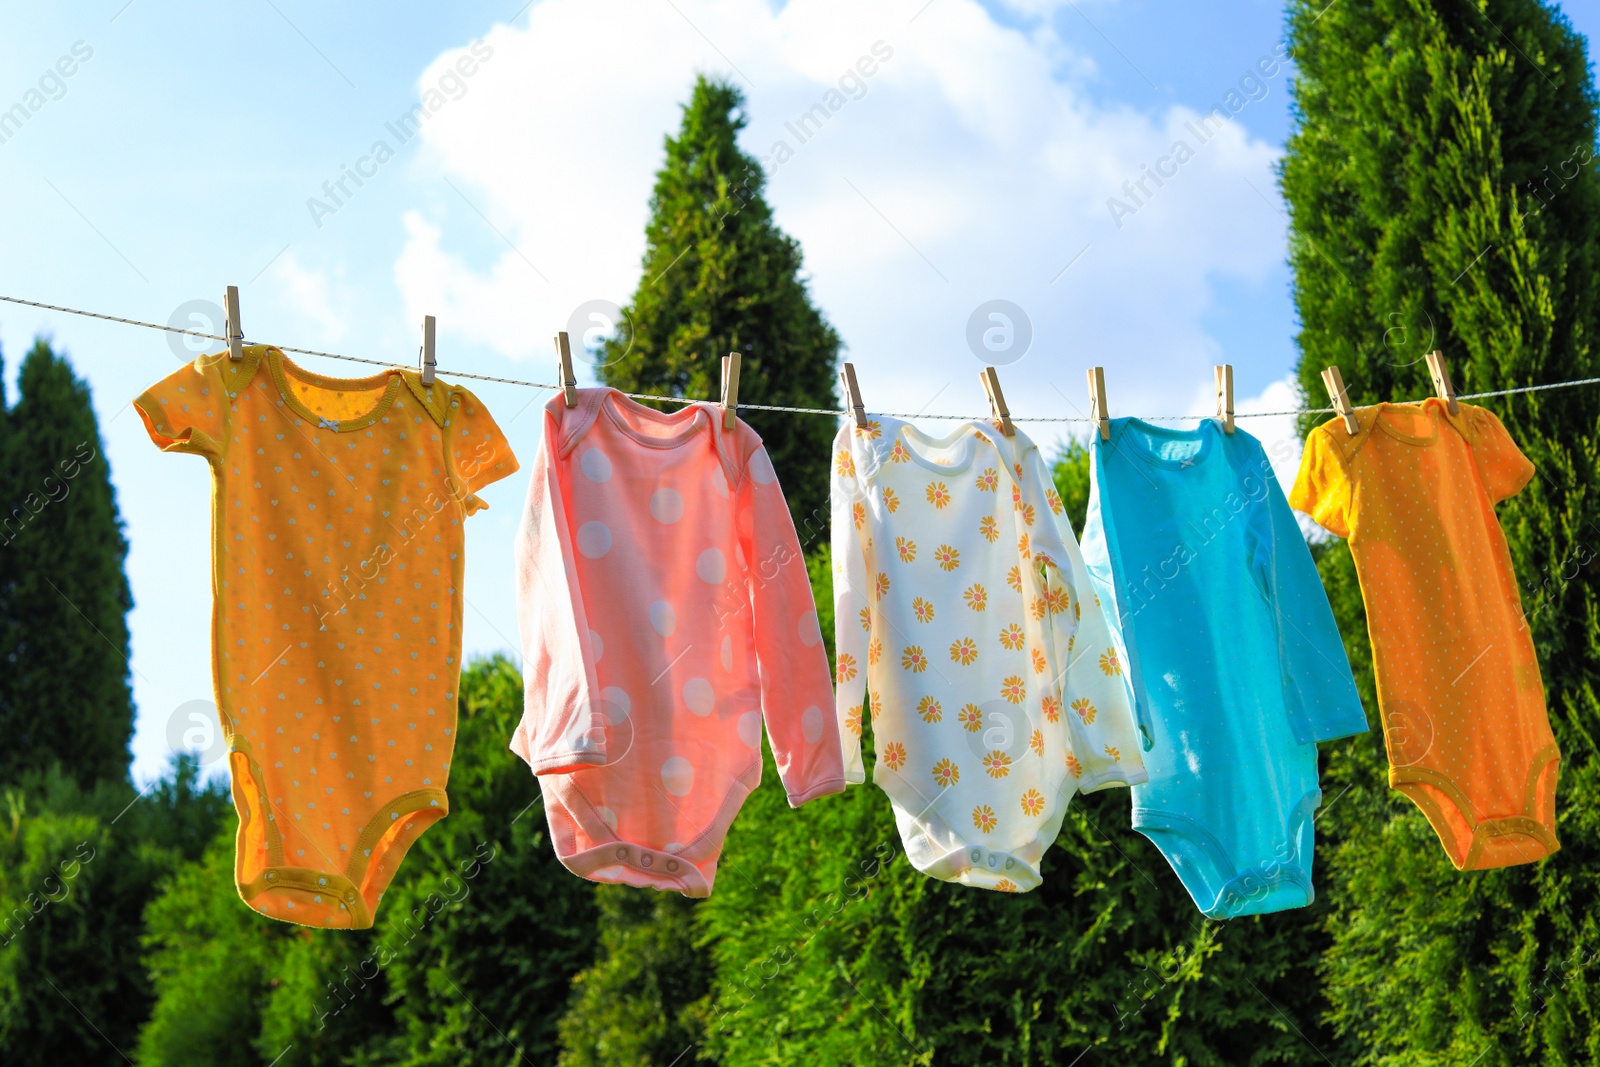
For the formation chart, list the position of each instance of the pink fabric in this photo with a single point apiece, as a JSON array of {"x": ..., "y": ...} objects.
[{"x": 666, "y": 614}]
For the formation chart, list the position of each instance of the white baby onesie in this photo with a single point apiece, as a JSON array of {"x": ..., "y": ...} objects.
[{"x": 995, "y": 694}]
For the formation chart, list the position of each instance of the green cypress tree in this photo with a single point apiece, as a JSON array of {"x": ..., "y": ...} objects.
[
  {"x": 64, "y": 694},
  {"x": 719, "y": 277},
  {"x": 1443, "y": 195}
]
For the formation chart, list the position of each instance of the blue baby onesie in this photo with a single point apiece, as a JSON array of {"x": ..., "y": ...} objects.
[{"x": 1236, "y": 665}]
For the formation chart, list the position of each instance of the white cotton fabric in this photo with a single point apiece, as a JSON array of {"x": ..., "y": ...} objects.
[{"x": 995, "y": 694}]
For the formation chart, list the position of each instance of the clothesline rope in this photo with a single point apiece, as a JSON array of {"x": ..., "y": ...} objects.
[{"x": 754, "y": 407}]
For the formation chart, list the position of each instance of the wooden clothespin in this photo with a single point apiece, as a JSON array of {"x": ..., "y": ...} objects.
[
  {"x": 230, "y": 326},
  {"x": 1224, "y": 375},
  {"x": 730, "y": 390},
  {"x": 1341, "y": 399},
  {"x": 569, "y": 381},
  {"x": 997, "y": 401},
  {"x": 1441, "y": 381},
  {"x": 852, "y": 395},
  {"x": 427, "y": 360},
  {"x": 1097, "y": 401}
]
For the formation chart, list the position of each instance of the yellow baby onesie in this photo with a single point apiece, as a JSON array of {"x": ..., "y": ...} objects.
[{"x": 337, "y": 541}]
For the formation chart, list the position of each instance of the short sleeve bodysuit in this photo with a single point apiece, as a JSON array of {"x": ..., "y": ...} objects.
[
  {"x": 1463, "y": 705},
  {"x": 337, "y": 559}
]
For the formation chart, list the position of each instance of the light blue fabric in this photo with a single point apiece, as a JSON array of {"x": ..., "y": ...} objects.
[{"x": 1236, "y": 664}]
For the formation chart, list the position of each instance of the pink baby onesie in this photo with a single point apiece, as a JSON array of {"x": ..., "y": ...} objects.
[{"x": 665, "y": 613}]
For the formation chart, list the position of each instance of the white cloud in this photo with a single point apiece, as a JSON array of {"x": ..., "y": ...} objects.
[
  {"x": 309, "y": 297},
  {"x": 965, "y": 171}
]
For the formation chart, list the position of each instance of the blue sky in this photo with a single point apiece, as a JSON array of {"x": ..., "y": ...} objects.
[{"x": 974, "y": 163}]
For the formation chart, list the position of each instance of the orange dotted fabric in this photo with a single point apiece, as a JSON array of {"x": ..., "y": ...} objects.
[
  {"x": 337, "y": 511},
  {"x": 1459, "y": 689}
]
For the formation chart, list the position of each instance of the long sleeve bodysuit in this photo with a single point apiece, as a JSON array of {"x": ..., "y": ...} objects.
[
  {"x": 666, "y": 615},
  {"x": 1237, "y": 667},
  {"x": 961, "y": 602}
]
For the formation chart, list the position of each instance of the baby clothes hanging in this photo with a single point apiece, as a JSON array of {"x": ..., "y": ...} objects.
[
  {"x": 1463, "y": 707},
  {"x": 996, "y": 693},
  {"x": 1237, "y": 667},
  {"x": 337, "y": 548},
  {"x": 666, "y": 614}
]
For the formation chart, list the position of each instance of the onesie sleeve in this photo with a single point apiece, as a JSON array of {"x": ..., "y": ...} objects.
[
  {"x": 1102, "y": 737},
  {"x": 189, "y": 410},
  {"x": 1319, "y": 690},
  {"x": 788, "y": 638},
  {"x": 1322, "y": 489},
  {"x": 1501, "y": 464},
  {"x": 562, "y": 729},
  {"x": 477, "y": 450},
  {"x": 852, "y": 619}
]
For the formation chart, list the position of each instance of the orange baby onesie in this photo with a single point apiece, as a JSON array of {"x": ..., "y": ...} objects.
[
  {"x": 667, "y": 623},
  {"x": 1458, "y": 685},
  {"x": 336, "y": 558}
]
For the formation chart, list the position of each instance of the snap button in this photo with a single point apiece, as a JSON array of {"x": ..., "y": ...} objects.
[
  {"x": 622, "y": 853},
  {"x": 672, "y": 865},
  {"x": 977, "y": 854},
  {"x": 994, "y": 861},
  {"x": 322, "y": 881},
  {"x": 1010, "y": 864},
  {"x": 272, "y": 876},
  {"x": 647, "y": 859}
]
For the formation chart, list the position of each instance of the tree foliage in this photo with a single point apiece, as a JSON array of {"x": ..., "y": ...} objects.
[
  {"x": 718, "y": 277},
  {"x": 64, "y": 695},
  {"x": 1443, "y": 193}
]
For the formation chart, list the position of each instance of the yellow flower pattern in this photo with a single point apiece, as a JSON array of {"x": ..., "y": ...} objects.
[
  {"x": 871, "y": 431},
  {"x": 997, "y": 764},
  {"x": 958, "y": 522}
]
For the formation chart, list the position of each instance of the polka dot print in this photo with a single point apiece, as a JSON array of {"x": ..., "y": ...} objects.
[
  {"x": 687, "y": 559},
  {"x": 338, "y": 547}
]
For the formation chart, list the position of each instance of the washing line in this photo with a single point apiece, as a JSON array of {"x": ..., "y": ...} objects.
[{"x": 753, "y": 407}]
